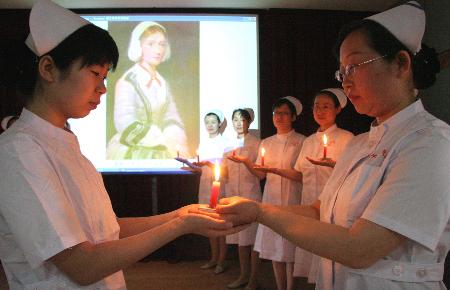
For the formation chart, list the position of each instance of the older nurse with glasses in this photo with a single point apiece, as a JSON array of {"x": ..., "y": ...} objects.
[{"x": 382, "y": 219}]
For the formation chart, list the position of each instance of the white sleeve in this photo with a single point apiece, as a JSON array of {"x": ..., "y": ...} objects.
[{"x": 34, "y": 204}]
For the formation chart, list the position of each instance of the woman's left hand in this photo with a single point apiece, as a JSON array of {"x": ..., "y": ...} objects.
[
  {"x": 322, "y": 162},
  {"x": 238, "y": 158}
]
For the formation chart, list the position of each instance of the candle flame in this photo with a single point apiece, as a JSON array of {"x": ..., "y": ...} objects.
[
  {"x": 325, "y": 140},
  {"x": 217, "y": 171},
  {"x": 263, "y": 152},
  {"x": 196, "y": 151}
]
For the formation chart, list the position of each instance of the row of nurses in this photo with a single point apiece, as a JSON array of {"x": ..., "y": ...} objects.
[{"x": 382, "y": 220}]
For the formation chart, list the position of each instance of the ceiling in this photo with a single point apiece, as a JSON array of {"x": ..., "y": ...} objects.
[{"x": 348, "y": 5}]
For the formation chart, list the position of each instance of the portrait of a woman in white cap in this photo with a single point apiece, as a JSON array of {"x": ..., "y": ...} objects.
[
  {"x": 58, "y": 229},
  {"x": 146, "y": 118},
  {"x": 382, "y": 219}
]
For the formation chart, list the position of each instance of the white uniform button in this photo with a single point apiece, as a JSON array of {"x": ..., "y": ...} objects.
[
  {"x": 397, "y": 270},
  {"x": 422, "y": 272}
]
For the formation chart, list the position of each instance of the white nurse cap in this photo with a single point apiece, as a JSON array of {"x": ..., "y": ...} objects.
[
  {"x": 340, "y": 95},
  {"x": 216, "y": 112},
  {"x": 297, "y": 104},
  {"x": 4, "y": 123},
  {"x": 406, "y": 22},
  {"x": 50, "y": 24},
  {"x": 134, "y": 49},
  {"x": 251, "y": 113}
]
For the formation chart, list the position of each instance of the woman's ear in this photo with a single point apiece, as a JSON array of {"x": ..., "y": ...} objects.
[
  {"x": 404, "y": 62},
  {"x": 47, "y": 68},
  {"x": 293, "y": 118}
]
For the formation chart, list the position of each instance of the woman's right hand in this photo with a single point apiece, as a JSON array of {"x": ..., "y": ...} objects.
[
  {"x": 238, "y": 210},
  {"x": 206, "y": 225}
]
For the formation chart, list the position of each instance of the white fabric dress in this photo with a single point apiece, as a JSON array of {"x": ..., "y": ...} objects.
[
  {"x": 146, "y": 119},
  {"x": 314, "y": 179},
  {"x": 396, "y": 176},
  {"x": 281, "y": 152},
  {"x": 210, "y": 149},
  {"x": 52, "y": 198},
  {"x": 242, "y": 182}
]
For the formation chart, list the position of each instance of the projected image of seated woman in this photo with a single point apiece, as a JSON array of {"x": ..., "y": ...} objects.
[{"x": 145, "y": 116}]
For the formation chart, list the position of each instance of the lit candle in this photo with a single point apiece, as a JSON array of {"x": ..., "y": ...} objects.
[
  {"x": 325, "y": 141},
  {"x": 198, "y": 156},
  {"x": 215, "y": 187},
  {"x": 263, "y": 152},
  {"x": 178, "y": 154}
]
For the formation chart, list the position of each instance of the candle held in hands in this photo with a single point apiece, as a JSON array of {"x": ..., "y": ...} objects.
[
  {"x": 215, "y": 189},
  {"x": 263, "y": 153},
  {"x": 198, "y": 157},
  {"x": 325, "y": 144}
]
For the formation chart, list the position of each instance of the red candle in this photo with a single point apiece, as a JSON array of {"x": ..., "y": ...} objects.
[
  {"x": 234, "y": 152},
  {"x": 215, "y": 189},
  {"x": 325, "y": 141},
  {"x": 263, "y": 152}
]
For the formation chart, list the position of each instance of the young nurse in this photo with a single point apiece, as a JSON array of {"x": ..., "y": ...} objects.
[
  {"x": 210, "y": 151},
  {"x": 313, "y": 167},
  {"x": 281, "y": 151},
  {"x": 241, "y": 182},
  {"x": 57, "y": 226},
  {"x": 382, "y": 220}
]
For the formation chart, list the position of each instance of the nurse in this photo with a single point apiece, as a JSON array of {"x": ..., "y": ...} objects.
[
  {"x": 58, "y": 229},
  {"x": 313, "y": 168},
  {"x": 281, "y": 151},
  {"x": 382, "y": 219},
  {"x": 241, "y": 182},
  {"x": 210, "y": 150}
]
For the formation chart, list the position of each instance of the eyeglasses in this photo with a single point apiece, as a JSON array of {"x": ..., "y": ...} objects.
[
  {"x": 324, "y": 108},
  {"x": 350, "y": 69}
]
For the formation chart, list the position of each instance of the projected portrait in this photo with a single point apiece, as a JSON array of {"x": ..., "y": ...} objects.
[{"x": 153, "y": 96}]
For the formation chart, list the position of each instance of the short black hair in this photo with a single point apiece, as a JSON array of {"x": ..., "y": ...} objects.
[{"x": 91, "y": 44}]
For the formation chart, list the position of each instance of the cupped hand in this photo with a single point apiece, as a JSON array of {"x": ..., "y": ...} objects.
[
  {"x": 209, "y": 226},
  {"x": 322, "y": 162},
  {"x": 237, "y": 158}
]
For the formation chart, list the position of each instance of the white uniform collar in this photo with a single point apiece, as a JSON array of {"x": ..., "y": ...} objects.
[
  {"x": 283, "y": 137},
  {"x": 376, "y": 132},
  {"x": 44, "y": 128},
  {"x": 319, "y": 135}
]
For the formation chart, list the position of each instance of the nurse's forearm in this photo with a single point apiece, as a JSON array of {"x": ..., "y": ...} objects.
[
  {"x": 357, "y": 247},
  {"x": 87, "y": 263},
  {"x": 250, "y": 166},
  {"x": 135, "y": 225},
  {"x": 289, "y": 173}
]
